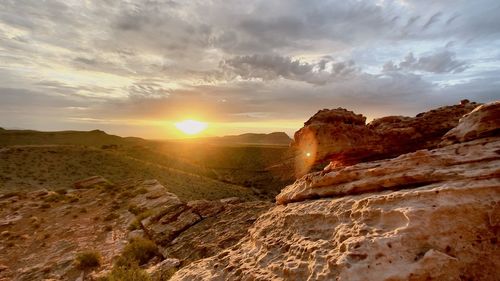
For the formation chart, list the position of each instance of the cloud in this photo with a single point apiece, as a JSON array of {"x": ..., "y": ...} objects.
[
  {"x": 433, "y": 19},
  {"x": 271, "y": 67},
  {"x": 247, "y": 60},
  {"x": 440, "y": 62}
]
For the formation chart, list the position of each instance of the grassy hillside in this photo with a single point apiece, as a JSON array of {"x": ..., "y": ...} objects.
[
  {"x": 276, "y": 138},
  {"x": 90, "y": 138},
  {"x": 97, "y": 153},
  {"x": 57, "y": 166},
  {"x": 247, "y": 165}
]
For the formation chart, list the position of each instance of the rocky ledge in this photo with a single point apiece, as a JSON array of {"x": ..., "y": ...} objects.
[
  {"x": 188, "y": 231},
  {"x": 433, "y": 214}
]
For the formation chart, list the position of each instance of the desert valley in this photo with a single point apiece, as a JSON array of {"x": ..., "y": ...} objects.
[{"x": 400, "y": 198}]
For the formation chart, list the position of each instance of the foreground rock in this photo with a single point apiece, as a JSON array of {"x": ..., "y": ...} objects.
[
  {"x": 428, "y": 215},
  {"x": 342, "y": 136},
  {"x": 477, "y": 160},
  {"x": 483, "y": 121},
  {"x": 188, "y": 231}
]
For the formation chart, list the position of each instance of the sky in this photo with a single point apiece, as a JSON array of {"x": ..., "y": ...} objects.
[{"x": 134, "y": 68}]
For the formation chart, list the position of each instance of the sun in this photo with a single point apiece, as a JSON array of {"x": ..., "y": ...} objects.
[{"x": 191, "y": 127}]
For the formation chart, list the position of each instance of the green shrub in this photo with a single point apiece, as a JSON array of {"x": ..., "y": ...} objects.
[
  {"x": 137, "y": 252},
  {"x": 87, "y": 260},
  {"x": 126, "y": 274},
  {"x": 136, "y": 223}
]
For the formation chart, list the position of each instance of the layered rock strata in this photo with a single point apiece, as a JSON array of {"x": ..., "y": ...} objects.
[
  {"x": 344, "y": 137},
  {"x": 427, "y": 215},
  {"x": 189, "y": 231}
]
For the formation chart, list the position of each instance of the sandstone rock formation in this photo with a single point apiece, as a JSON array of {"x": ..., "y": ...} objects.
[
  {"x": 477, "y": 160},
  {"x": 342, "y": 136},
  {"x": 188, "y": 231},
  {"x": 427, "y": 215},
  {"x": 483, "y": 121}
]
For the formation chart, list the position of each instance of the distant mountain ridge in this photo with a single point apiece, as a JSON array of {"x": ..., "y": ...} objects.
[
  {"x": 98, "y": 138},
  {"x": 94, "y": 137},
  {"x": 275, "y": 138}
]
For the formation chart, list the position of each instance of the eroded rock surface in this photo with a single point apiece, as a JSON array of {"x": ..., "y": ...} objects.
[
  {"x": 197, "y": 229},
  {"x": 427, "y": 215},
  {"x": 436, "y": 232},
  {"x": 343, "y": 136},
  {"x": 479, "y": 159},
  {"x": 483, "y": 121}
]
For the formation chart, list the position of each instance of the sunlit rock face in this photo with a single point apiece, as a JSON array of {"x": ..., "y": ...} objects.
[
  {"x": 427, "y": 215},
  {"x": 341, "y": 136},
  {"x": 476, "y": 160},
  {"x": 337, "y": 134},
  {"x": 483, "y": 121}
]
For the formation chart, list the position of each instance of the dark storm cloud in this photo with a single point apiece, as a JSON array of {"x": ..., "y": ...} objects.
[
  {"x": 440, "y": 62},
  {"x": 270, "y": 67}
]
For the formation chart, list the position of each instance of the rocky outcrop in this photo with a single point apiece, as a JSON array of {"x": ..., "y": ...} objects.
[
  {"x": 188, "y": 231},
  {"x": 427, "y": 215},
  {"x": 342, "y": 136},
  {"x": 335, "y": 133},
  {"x": 477, "y": 160},
  {"x": 154, "y": 197},
  {"x": 216, "y": 233},
  {"x": 483, "y": 121}
]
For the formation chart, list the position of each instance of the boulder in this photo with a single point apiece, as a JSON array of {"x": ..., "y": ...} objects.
[
  {"x": 156, "y": 196},
  {"x": 333, "y": 133},
  {"x": 483, "y": 121}
]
